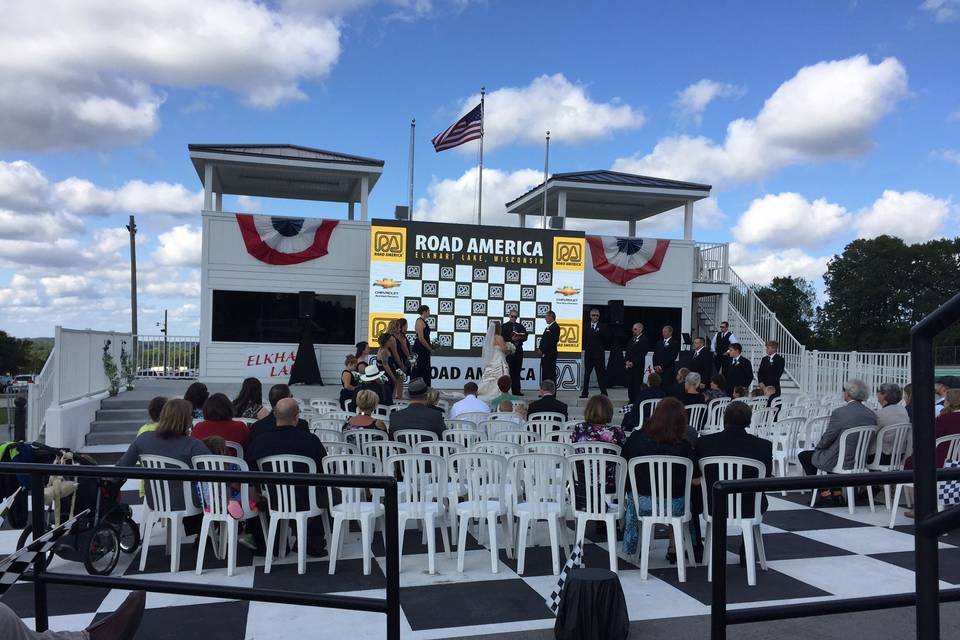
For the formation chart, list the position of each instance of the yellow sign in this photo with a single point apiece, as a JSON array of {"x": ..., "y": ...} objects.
[
  {"x": 568, "y": 253},
  {"x": 570, "y": 336},
  {"x": 388, "y": 244},
  {"x": 378, "y": 322}
]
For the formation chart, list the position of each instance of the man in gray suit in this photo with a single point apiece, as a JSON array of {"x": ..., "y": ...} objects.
[{"x": 852, "y": 414}]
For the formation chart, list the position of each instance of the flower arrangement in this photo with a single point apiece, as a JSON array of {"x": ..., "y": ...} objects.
[
  {"x": 110, "y": 369},
  {"x": 126, "y": 366},
  {"x": 412, "y": 360},
  {"x": 510, "y": 348},
  {"x": 435, "y": 345}
]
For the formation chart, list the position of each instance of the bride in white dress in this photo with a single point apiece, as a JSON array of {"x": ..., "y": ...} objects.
[{"x": 494, "y": 363}]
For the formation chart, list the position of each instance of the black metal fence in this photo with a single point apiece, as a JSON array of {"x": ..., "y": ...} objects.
[
  {"x": 41, "y": 577},
  {"x": 721, "y": 618}
]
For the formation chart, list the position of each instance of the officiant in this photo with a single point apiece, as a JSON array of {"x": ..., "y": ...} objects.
[{"x": 516, "y": 334}]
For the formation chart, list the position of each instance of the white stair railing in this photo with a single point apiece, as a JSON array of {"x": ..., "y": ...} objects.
[{"x": 40, "y": 396}]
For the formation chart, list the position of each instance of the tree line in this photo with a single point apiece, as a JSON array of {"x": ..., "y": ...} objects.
[
  {"x": 23, "y": 355},
  {"x": 876, "y": 290}
]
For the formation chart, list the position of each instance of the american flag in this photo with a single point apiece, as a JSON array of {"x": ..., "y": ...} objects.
[{"x": 467, "y": 128}]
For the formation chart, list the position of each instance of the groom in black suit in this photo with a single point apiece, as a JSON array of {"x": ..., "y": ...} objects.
[
  {"x": 515, "y": 333},
  {"x": 548, "y": 348},
  {"x": 636, "y": 360},
  {"x": 594, "y": 352}
]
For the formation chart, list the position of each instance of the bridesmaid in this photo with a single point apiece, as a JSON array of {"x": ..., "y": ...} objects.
[
  {"x": 421, "y": 345},
  {"x": 403, "y": 345}
]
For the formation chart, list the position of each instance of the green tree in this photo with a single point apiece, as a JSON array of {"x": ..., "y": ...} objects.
[
  {"x": 877, "y": 289},
  {"x": 794, "y": 302},
  {"x": 14, "y": 354}
]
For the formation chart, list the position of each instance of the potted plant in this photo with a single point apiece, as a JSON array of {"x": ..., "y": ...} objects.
[{"x": 110, "y": 369}]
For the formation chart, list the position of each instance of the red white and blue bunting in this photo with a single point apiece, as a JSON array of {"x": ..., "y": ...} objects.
[
  {"x": 285, "y": 241},
  {"x": 620, "y": 260}
]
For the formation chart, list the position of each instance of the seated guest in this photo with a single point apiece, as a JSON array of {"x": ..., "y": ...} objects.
[
  {"x": 717, "y": 389},
  {"x": 153, "y": 410},
  {"x": 735, "y": 441},
  {"x": 677, "y": 387},
  {"x": 418, "y": 415},
  {"x": 547, "y": 403},
  {"x": 508, "y": 412},
  {"x": 946, "y": 424},
  {"x": 277, "y": 393},
  {"x": 122, "y": 624},
  {"x": 367, "y": 402},
  {"x": 738, "y": 393},
  {"x": 287, "y": 438},
  {"x": 249, "y": 402},
  {"x": 503, "y": 384},
  {"x": 908, "y": 399},
  {"x": 693, "y": 395},
  {"x": 433, "y": 400},
  {"x": 596, "y": 427},
  {"x": 940, "y": 389},
  {"x": 470, "y": 403},
  {"x": 372, "y": 380},
  {"x": 757, "y": 392},
  {"x": 853, "y": 414},
  {"x": 891, "y": 412},
  {"x": 196, "y": 394},
  {"x": 347, "y": 387},
  {"x": 653, "y": 391},
  {"x": 218, "y": 421},
  {"x": 664, "y": 434}
]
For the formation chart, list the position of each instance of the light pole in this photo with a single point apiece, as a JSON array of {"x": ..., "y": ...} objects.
[
  {"x": 163, "y": 330},
  {"x": 132, "y": 228}
]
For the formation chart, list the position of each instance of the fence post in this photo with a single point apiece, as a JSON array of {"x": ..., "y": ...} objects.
[
  {"x": 718, "y": 554},
  {"x": 41, "y": 621},
  {"x": 20, "y": 419}
]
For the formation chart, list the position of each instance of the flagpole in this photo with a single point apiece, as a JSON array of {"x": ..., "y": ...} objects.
[
  {"x": 480, "y": 182},
  {"x": 546, "y": 169},
  {"x": 413, "y": 128}
]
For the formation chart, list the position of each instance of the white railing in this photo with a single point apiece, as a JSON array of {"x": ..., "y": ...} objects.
[
  {"x": 712, "y": 262},
  {"x": 40, "y": 396},
  {"x": 79, "y": 363},
  {"x": 826, "y": 371},
  {"x": 168, "y": 356}
]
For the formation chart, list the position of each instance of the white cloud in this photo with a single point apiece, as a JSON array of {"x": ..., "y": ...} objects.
[
  {"x": 179, "y": 247},
  {"x": 954, "y": 116},
  {"x": 825, "y": 111},
  {"x": 524, "y": 114},
  {"x": 950, "y": 155},
  {"x": 102, "y": 83},
  {"x": 134, "y": 196},
  {"x": 71, "y": 286},
  {"x": 455, "y": 199},
  {"x": 37, "y": 226},
  {"x": 22, "y": 186},
  {"x": 910, "y": 215},
  {"x": 692, "y": 101},
  {"x": 20, "y": 294},
  {"x": 760, "y": 267},
  {"x": 788, "y": 219},
  {"x": 942, "y": 10},
  {"x": 61, "y": 252}
]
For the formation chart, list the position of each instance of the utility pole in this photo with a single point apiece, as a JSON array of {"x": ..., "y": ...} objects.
[
  {"x": 163, "y": 330},
  {"x": 132, "y": 228}
]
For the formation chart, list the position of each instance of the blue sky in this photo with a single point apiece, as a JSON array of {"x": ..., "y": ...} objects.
[{"x": 816, "y": 123}]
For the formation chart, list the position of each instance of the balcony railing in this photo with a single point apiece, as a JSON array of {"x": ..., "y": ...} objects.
[{"x": 711, "y": 262}]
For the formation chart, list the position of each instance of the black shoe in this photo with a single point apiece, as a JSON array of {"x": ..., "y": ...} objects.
[
  {"x": 603, "y": 393},
  {"x": 583, "y": 396},
  {"x": 122, "y": 624}
]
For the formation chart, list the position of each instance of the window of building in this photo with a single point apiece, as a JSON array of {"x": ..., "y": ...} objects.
[{"x": 258, "y": 316}]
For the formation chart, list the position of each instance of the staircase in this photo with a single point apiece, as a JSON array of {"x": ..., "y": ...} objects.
[{"x": 117, "y": 421}]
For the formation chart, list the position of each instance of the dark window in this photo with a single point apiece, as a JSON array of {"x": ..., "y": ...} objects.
[{"x": 256, "y": 316}]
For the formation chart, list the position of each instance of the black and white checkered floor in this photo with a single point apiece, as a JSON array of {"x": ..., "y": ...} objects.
[{"x": 813, "y": 554}]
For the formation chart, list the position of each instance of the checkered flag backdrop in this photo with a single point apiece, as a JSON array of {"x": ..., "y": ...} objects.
[
  {"x": 575, "y": 559},
  {"x": 7, "y": 503},
  {"x": 949, "y": 492},
  {"x": 17, "y": 562}
]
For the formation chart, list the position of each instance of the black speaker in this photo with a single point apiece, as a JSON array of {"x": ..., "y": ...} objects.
[
  {"x": 616, "y": 311},
  {"x": 306, "y": 304},
  {"x": 401, "y": 212},
  {"x": 556, "y": 222}
]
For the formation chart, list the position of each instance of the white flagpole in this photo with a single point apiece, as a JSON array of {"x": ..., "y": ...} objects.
[
  {"x": 413, "y": 128},
  {"x": 546, "y": 169},
  {"x": 480, "y": 178}
]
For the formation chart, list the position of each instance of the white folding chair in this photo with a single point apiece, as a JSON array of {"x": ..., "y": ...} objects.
[
  {"x": 328, "y": 435},
  {"x": 382, "y": 412},
  {"x": 561, "y": 435},
  {"x": 383, "y": 449},
  {"x": 342, "y": 416},
  {"x": 284, "y": 506},
  {"x": 475, "y": 417},
  {"x": 419, "y": 476},
  {"x": 550, "y": 416},
  {"x": 355, "y": 504},
  {"x": 519, "y": 437},
  {"x": 413, "y": 437},
  {"x": 590, "y": 473},
  {"x": 492, "y": 427},
  {"x": 896, "y": 438},
  {"x": 540, "y": 483},
  {"x": 463, "y": 437},
  {"x": 483, "y": 476},
  {"x": 646, "y": 409},
  {"x": 457, "y": 423},
  {"x": 165, "y": 500},
  {"x": 441, "y": 448},
  {"x": 328, "y": 424},
  {"x": 761, "y": 420},
  {"x": 215, "y": 497},
  {"x": 496, "y": 447},
  {"x": 715, "y": 409},
  {"x": 340, "y": 448},
  {"x": 545, "y": 423},
  {"x": 732, "y": 468},
  {"x": 595, "y": 447},
  {"x": 858, "y": 439},
  {"x": 553, "y": 448},
  {"x": 361, "y": 437},
  {"x": 235, "y": 447},
  {"x": 785, "y": 435},
  {"x": 952, "y": 444},
  {"x": 697, "y": 415},
  {"x": 814, "y": 430},
  {"x": 661, "y": 470},
  {"x": 323, "y": 405},
  {"x": 508, "y": 416},
  {"x": 570, "y": 425}
]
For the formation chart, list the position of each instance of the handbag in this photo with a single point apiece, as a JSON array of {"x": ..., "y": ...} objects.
[{"x": 948, "y": 493}]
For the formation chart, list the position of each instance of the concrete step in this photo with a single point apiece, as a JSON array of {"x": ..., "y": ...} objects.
[
  {"x": 115, "y": 426},
  {"x": 100, "y": 438},
  {"x": 140, "y": 415},
  {"x": 121, "y": 403}
]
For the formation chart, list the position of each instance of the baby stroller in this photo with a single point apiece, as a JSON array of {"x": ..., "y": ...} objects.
[{"x": 103, "y": 533}]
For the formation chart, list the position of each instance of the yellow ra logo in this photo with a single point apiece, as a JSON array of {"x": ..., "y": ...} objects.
[
  {"x": 378, "y": 326},
  {"x": 568, "y": 253},
  {"x": 569, "y": 336},
  {"x": 388, "y": 244}
]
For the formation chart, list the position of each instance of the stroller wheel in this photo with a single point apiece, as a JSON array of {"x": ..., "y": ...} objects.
[
  {"x": 102, "y": 551},
  {"x": 129, "y": 535},
  {"x": 26, "y": 537}
]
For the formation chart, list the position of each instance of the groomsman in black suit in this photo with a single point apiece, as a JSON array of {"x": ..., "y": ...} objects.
[
  {"x": 737, "y": 370},
  {"x": 516, "y": 334},
  {"x": 720, "y": 344},
  {"x": 594, "y": 352},
  {"x": 702, "y": 360},
  {"x": 771, "y": 367},
  {"x": 636, "y": 360},
  {"x": 548, "y": 348},
  {"x": 665, "y": 352}
]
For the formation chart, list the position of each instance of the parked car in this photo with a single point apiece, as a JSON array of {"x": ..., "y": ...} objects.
[{"x": 21, "y": 383}]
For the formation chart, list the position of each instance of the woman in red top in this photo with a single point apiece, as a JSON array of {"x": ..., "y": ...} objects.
[
  {"x": 218, "y": 421},
  {"x": 947, "y": 424}
]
